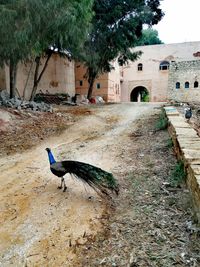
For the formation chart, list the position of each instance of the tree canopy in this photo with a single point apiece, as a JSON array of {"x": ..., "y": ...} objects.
[
  {"x": 29, "y": 27},
  {"x": 149, "y": 37},
  {"x": 116, "y": 28},
  {"x": 14, "y": 36},
  {"x": 61, "y": 24},
  {"x": 13, "y": 31}
]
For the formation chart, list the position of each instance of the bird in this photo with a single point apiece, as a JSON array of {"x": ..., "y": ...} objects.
[
  {"x": 188, "y": 113},
  {"x": 101, "y": 181}
]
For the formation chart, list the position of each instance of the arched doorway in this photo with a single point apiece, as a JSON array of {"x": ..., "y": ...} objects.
[{"x": 139, "y": 94}]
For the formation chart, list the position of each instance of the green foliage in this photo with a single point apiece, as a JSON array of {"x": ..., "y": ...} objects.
[
  {"x": 178, "y": 175},
  {"x": 29, "y": 27},
  {"x": 14, "y": 29},
  {"x": 149, "y": 37},
  {"x": 162, "y": 122},
  {"x": 145, "y": 96},
  {"x": 169, "y": 143},
  {"x": 116, "y": 29},
  {"x": 60, "y": 23}
]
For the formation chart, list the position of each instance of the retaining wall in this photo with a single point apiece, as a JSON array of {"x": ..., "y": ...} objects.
[{"x": 187, "y": 147}]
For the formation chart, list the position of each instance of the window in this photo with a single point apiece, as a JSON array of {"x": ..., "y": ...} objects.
[
  {"x": 196, "y": 84},
  {"x": 177, "y": 85},
  {"x": 81, "y": 83},
  {"x": 140, "y": 67},
  {"x": 98, "y": 85},
  {"x": 187, "y": 85},
  {"x": 164, "y": 65}
]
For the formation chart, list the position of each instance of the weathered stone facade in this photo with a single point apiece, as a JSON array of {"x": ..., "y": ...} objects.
[
  {"x": 107, "y": 86},
  {"x": 156, "y": 72},
  {"x": 151, "y": 70},
  {"x": 59, "y": 77},
  {"x": 187, "y": 148},
  {"x": 184, "y": 81}
]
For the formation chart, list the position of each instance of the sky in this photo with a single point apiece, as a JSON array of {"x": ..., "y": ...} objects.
[{"x": 181, "y": 22}]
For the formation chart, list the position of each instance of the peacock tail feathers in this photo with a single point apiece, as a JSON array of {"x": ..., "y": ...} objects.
[
  {"x": 101, "y": 181},
  {"x": 97, "y": 178}
]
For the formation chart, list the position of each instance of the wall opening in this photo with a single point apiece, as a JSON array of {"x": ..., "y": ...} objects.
[
  {"x": 178, "y": 85},
  {"x": 196, "y": 84},
  {"x": 139, "y": 94},
  {"x": 164, "y": 65},
  {"x": 140, "y": 67},
  {"x": 187, "y": 85}
]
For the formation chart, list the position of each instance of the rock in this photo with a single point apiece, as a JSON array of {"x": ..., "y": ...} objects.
[
  {"x": 19, "y": 104},
  {"x": 4, "y": 96}
]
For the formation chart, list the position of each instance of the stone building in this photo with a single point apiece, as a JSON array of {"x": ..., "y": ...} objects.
[
  {"x": 59, "y": 77},
  {"x": 154, "y": 77},
  {"x": 184, "y": 81},
  {"x": 149, "y": 75},
  {"x": 107, "y": 85}
]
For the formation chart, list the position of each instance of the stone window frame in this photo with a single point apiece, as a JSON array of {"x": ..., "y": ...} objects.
[
  {"x": 178, "y": 85},
  {"x": 196, "y": 84},
  {"x": 140, "y": 67},
  {"x": 187, "y": 85},
  {"x": 164, "y": 65}
]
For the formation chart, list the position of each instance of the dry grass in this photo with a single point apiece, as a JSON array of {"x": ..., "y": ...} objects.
[{"x": 149, "y": 225}]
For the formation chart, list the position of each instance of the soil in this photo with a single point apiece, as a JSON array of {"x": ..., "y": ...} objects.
[{"x": 150, "y": 223}]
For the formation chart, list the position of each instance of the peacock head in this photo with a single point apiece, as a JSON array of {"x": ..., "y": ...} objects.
[{"x": 50, "y": 155}]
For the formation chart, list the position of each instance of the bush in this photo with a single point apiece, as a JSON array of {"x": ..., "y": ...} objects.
[
  {"x": 178, "y": 175},
  {"x": 162, "y": 122}
]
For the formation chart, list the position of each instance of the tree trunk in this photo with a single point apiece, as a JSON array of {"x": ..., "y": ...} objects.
[
  {"x": 91, "y": 78},
  {"x": 13, "y": 74},
  {"x": 35, "y": 83},
  {"x": 36, "y": 77},
  {"x": 24, "y": 91}
]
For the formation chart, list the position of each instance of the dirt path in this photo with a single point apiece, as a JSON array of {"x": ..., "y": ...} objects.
[{"x": 40, "y": 224}]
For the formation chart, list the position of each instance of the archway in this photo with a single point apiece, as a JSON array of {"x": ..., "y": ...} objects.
[{"x": 139, "y": 94}]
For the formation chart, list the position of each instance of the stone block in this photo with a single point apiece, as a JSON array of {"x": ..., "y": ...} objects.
[
  {"x": 189, "y": 144},
  {"x": 187, "y": 132},
  {"x": 178, "y": 122},
  {"x": 171, "y": 111},
  {"x": 187, "y": 148}
]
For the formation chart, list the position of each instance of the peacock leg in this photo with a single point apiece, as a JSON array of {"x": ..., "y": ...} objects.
[
  {"x": 60, "y": 187},
  {"x": 65, "y": 187}
]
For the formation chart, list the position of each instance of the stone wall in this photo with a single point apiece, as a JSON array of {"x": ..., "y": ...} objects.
[
  {"x": 187, "y": 148},
  {"x": 58, "y": 77},
  {"x": 106, "y": 85},
  {"x": 151, "y": 58},
  {"x": 182, "y": 72},
  {"x": 128, "y": 86}
]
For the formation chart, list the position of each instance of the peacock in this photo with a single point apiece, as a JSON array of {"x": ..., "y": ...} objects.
[
  {"x": 188, "y": 113},
  {"x": 101, "y": 181}
]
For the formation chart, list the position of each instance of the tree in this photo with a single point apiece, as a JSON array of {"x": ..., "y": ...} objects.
[
  {"x": 149, "y": 37},
  {"x": 14, "y": 29},
  {"x": 116, "y": 28},
  {"x": 59, "y": 25},
  {"x": 35, "y": 28}
]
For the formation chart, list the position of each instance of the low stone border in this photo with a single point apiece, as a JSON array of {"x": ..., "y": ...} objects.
[{"x": 187, "y": 148}]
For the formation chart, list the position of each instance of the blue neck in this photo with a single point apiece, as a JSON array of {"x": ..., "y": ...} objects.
[{"x": 51, "y": 157}]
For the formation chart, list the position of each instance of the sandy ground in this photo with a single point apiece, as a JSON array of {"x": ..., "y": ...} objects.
[
  {"x": 39, "y": 223},
  {"x": 43, "y": 226}
]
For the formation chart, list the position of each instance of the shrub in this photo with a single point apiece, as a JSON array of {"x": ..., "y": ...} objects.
[
  {"x": 162, "y": 122},
  {"x": 178, "y": 175}
]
